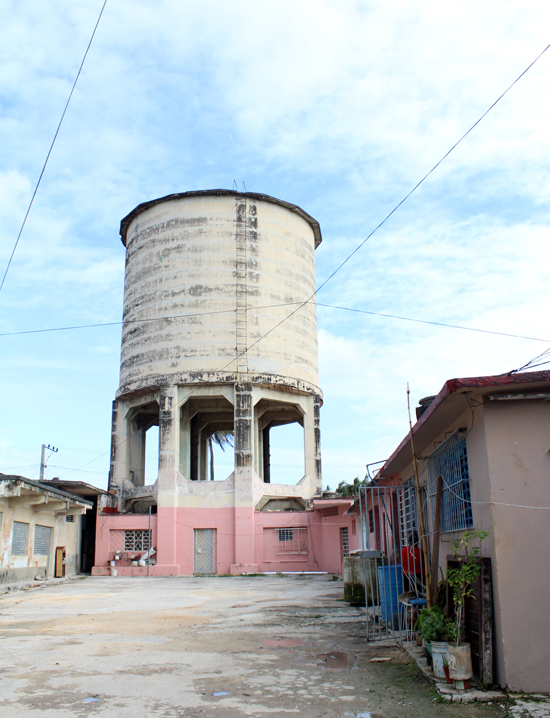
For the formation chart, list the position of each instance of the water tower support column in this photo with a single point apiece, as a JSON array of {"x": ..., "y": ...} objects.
[
  {"x": 168, "y": 476},
  {"x": 244, "y": 480},
  {"x": 312, "y": 444}
]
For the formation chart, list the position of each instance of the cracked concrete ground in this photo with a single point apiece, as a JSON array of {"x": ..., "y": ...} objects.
[{"x": 190, "y": 647}]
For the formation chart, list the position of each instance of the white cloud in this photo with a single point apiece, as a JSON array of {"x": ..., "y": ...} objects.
[{"x": 338, "y": 108}]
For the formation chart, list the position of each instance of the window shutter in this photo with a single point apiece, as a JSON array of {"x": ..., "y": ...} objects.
[{"x": 19, "y": 540}]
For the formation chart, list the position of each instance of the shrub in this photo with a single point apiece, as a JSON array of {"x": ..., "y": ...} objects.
[{"x": 437, "y": 627}]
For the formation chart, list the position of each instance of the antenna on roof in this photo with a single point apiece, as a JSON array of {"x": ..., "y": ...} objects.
[{"x": 235, "y": 186}]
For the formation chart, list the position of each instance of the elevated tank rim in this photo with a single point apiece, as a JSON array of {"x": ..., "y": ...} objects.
[{"x": 125, "y": 223}]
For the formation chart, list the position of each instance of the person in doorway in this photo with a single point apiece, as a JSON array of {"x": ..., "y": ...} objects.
[{"x": 412, "y": 561}]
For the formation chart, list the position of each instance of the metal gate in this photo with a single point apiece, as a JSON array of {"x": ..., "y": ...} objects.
[
  {"x": 204, "y": 551},
  {"x": 388, "y": 518}
]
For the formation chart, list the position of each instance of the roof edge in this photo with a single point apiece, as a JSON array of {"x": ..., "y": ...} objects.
[
  {"x": 45, "y": 489},
  {"x": 453, "y": 386},
  {"x": 125, "y": 223}
]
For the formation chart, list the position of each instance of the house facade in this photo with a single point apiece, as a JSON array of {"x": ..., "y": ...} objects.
[
  {"x": 40, "y": 530},
  {"x": 488, "y": 437}
]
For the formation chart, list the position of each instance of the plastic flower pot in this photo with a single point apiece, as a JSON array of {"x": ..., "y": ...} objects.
[{"x": 439, "y": 655}]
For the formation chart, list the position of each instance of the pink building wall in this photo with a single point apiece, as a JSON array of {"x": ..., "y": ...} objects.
[{"x": 319, "y": 547}]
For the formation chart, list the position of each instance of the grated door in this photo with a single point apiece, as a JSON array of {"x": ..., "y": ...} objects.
[{"x": 204, "y": 551}]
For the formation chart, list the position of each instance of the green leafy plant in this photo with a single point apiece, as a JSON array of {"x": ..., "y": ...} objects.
[
  {"x": 424, "y": 614},
  {"x": 345, "y": 489},
  {"x": 437, "y": 627},
  {"x": 467, "y": 549}
]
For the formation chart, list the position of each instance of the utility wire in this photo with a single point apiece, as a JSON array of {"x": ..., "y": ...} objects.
[
  {"x": 286, "y": 304},
  {"x": 426, "y": 321},
  {"x": 51, "y": 146},
  {"x": 346, "y": 260},
  {"x": 405, "y": 198},
  {"x": 531, "y": 363}
]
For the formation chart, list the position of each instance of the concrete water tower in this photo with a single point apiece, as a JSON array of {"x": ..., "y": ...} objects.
[{"x": 208, "y": 345}]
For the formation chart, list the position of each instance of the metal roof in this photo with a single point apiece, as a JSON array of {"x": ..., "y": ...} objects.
[{"x": 450, "y": 403}]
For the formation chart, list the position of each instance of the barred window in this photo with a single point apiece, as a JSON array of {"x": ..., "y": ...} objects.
[
  {"x": 345, "y": 541},
  {"x": 371, "y": 521},
  {"x": 292, "y": 540},
  {"x": 285, "y": 534},
  {"x": 450, "y": 459},
  {"x": 407, "y": 512},
  {"x": 69, "y": 518},
  {"x": 137, "y": 540}
]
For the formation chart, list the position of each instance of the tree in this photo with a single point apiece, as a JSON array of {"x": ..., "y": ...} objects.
[
  {"x": 222, "y": 439},
  {"x": 345, "y": 489}
]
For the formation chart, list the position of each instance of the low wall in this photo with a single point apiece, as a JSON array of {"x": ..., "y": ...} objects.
[
  {"x": 355, "y": 568},
  {"x": 21, "y": 575}
]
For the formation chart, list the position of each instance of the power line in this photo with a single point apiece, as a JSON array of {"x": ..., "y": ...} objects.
[
  {"x": 51, "y": 146},
  {"x": 99, "y": 473},
  {"x": 437, "y": 324},
  {"x": 406, "y": 197},
  {"x": 346, "y": 260},
  {"x": 531, "y": 363},
  {"x": 287, "y": 304}
]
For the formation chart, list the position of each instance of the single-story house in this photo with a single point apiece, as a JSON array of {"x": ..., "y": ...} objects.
[
  {"x": 489, "y": 438},
  {"x": 40, "y": 536}
]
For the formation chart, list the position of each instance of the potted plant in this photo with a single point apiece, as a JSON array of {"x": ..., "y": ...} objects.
[
  {"x": 437, "y": 629},
  {"x": 467, "y": 550},
  {"x": 424, "y": 614}
]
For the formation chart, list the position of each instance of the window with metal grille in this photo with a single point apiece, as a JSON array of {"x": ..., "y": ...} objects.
[
  {"x": 19, "y": 539},
  {"x": 407, "y": 512},
  {"x": 292, "y": 540},
  {"x": 137, "y": 540},
  {"x": 69, "y": 518},
  {"x": 345, "y": 541},
  {"x": 450, "y": 459},
  {"x": 42, "y": 540},
  {"x": 285, "y": 534},
  {"x": 371, "y": 521}
]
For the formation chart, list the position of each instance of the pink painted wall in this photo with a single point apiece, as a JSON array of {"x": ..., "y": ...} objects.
[{"x": 253, "y": 537}]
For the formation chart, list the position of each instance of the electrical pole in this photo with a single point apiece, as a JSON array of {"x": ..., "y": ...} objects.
[{"x": 43, "y": 458}]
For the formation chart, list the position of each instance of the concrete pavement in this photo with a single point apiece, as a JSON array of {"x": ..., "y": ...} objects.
[{"x": 188, "y": 647}]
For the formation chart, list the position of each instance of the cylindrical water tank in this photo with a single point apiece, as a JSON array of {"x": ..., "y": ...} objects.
[{"x": 211, "y": 277}]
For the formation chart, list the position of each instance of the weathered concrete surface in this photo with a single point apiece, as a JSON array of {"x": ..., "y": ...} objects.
[{"x": 269, "y": 645}]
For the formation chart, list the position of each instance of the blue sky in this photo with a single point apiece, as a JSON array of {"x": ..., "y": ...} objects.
[{"x": 337, "y": 107}]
